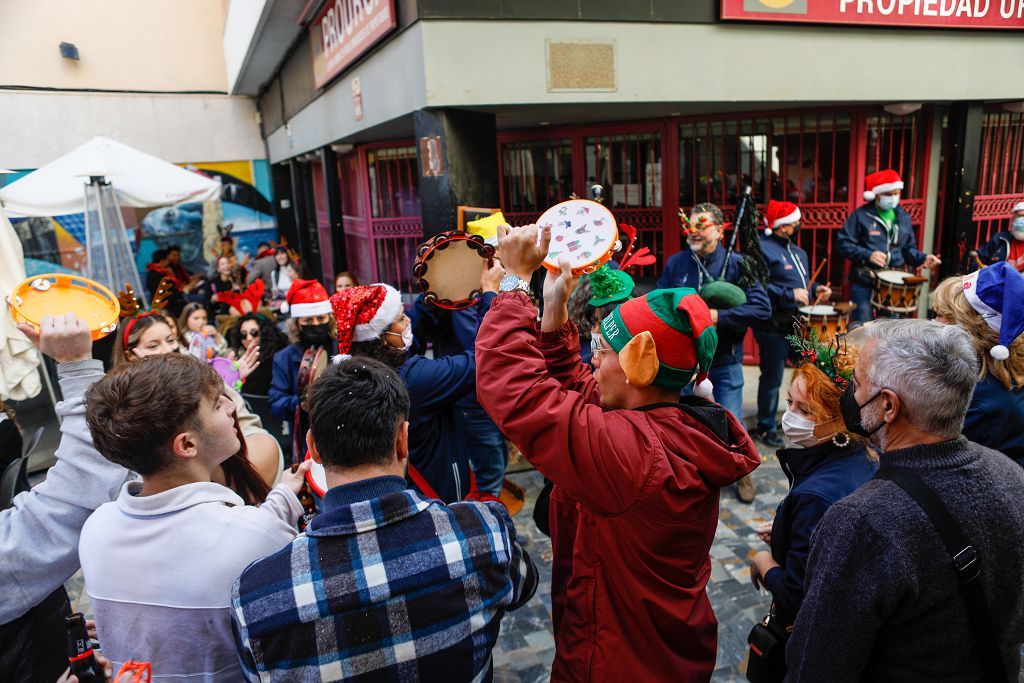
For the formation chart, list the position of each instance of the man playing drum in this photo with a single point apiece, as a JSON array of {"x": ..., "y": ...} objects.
[
  {"x": 788, "y": 289},
  {"x": 878, "y": 236}
]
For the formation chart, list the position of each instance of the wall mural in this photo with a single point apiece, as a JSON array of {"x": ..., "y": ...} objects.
[{"x": 244, "y": 211}]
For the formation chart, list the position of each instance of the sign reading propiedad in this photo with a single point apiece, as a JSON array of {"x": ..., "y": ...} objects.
[
  {"x": 998, "y": 14},
  {"x": 345, "y": 29}
]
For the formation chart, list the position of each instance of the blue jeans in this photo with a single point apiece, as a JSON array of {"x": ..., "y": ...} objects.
[
  {"x": 774, "y": 350},
  {"x": 728, "y": 389},
  {"x": 861, "y": 295},
  {"x": 488, "y": 450}
]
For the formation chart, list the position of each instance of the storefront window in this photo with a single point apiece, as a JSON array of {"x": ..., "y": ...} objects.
[
  {"x": 536, "y": 174},
  {"x": 805, "y": 159},
  {"x": 628, "y": 167}
]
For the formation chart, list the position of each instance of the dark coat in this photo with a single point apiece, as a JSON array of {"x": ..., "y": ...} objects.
[
  {"x": 686, "y": 269},
  {"x": 818, "y": 477},
  {"x": 790, "y": 269},
  {"x": 864, "y": 232},
  {"x": 995, "y": 250},
  {"x": 995, "y": 418}
]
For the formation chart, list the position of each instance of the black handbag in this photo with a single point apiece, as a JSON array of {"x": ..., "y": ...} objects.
[{"x": 767, "y": 645}]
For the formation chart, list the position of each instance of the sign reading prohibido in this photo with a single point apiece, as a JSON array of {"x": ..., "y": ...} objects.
[
  {"x": 345, "y": 29},
  {"x": 1005, "y": 14}
]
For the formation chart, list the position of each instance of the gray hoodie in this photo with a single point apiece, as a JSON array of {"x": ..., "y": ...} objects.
[{"x": 39, "y": 533}]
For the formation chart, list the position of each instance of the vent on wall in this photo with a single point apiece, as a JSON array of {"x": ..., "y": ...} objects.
[
  {"x": 582, "y": 65},
  {"x": 68, "y": 51}
]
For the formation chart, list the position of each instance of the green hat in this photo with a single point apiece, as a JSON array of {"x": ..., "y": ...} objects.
[
  {"x": 722, "y": 294},
  {"x": 678, "y": 322},
  {"x": 608, "y": 285}
]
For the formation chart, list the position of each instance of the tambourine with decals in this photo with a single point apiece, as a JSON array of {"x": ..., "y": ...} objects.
[
  {"x": 583, "y": 232},
  {"x": 58, "y": 294},
  {"x": 448, "y": 269}
]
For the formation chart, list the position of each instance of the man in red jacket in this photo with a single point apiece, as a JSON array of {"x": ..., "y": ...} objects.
[{"x": 642, "y": 467}]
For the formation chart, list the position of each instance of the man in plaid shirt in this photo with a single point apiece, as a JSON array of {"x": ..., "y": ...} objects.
[{"x": 385, "y": 584}]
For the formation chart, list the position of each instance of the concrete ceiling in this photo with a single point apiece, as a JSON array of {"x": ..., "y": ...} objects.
[{"x": 276, "y": 32}]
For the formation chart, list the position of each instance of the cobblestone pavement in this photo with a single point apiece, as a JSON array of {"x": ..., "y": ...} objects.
[{"x": 525, "y": 647}]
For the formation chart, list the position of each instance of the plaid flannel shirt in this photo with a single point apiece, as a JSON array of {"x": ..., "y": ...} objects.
[{"x": 385, "y": 585}]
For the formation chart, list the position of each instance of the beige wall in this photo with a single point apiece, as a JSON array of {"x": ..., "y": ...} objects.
[
  {"x": 471, "y": 63},
  {"x": 162, "y": 45}
]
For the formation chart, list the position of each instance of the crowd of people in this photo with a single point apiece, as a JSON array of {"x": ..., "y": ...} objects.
[{"x": 183, "y": 491}]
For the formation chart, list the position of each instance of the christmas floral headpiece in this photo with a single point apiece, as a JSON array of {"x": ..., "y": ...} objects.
[{"x": 821, "y": 355}]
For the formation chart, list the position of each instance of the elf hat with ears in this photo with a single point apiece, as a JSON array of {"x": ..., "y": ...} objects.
[
  {"x": 996, "y": 293},
  {"x": 665, "y": 339}
]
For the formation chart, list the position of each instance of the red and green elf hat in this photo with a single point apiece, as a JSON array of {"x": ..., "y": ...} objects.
[{"x": 679, "y": 323}]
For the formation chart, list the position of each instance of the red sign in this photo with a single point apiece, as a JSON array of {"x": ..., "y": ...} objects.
[
  {"x": 344, "y": 30},
  {"x": 1005, "y": 14}
]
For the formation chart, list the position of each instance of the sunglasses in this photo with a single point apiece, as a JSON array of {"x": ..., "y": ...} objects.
[{"x": 253, "y": 334}]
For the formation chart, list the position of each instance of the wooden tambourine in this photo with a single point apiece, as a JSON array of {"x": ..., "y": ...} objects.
[
  {"x": 582, "y": 231},
  {"x": 58, "y": 294},
  {"x": 448, "y": 269}
]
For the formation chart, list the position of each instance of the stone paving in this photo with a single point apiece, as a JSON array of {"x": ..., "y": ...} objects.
[{"x": 525, "y": 647}]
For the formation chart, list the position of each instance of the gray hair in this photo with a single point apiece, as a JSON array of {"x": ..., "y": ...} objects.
[
  {"x": 932, "y": 368},
  {"x": 716, "y": 213}
]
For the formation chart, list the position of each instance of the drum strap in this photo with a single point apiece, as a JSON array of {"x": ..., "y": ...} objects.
[{"x": 796, "y": 263}]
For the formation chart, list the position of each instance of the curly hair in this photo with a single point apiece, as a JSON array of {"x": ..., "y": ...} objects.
[
  {"x": 823, "y": 394},
  {"x": 948, "y": 301},
  {"x": 379, "y": 350},
  {"x": 272, "y": 339}
]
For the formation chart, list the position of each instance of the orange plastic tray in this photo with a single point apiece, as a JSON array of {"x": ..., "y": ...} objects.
[{"x": 59, "y": 294}]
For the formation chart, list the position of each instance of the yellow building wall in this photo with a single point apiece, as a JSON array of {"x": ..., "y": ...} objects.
[{"x": 161, "y": 45}]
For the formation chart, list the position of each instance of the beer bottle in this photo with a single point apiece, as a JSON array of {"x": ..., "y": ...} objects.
[
  {"x": 80, "y": 654},
  {"x": 307, "y": 501}
]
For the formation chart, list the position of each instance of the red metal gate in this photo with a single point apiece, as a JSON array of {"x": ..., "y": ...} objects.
[
  {"x": 1000, "y": 172},
  {"x": 381, "y": 206}
]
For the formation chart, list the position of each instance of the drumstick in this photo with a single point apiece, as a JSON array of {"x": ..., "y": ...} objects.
[
  {"x": 977, "y": 259},
  {"x": 818, "y": 271},
  {"x": 821, "y": 295}
]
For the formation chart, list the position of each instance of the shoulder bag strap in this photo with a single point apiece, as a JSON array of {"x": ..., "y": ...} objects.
[{"x": 965, "y": 558}]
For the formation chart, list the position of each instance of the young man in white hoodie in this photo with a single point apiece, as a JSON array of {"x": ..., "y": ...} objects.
[{"x": 160, "y": 560}]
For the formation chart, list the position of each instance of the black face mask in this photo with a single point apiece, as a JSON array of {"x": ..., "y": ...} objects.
[
  {"x": 851, "y": 411},
  {"x": 315, "y": 335}
]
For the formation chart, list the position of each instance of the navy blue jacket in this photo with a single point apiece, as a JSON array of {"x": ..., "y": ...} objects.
[
  {"x": 284, "y": 388},
  {"x": 864, "y": 232},
  {"x": 789, "y": 268},
  {"x": 995, "y": 250},
  {"x": 686, "y": 269},
  {"x": 818, "y": 477},
  {"x": 437, "y": 446},
  {"x": 995, "y": 418}
]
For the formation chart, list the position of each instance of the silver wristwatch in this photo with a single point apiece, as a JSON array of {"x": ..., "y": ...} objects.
[{"x": 511, "y": 283}]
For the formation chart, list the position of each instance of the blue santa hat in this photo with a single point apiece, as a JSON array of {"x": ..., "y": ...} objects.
[{"x": 996, "y": 293}]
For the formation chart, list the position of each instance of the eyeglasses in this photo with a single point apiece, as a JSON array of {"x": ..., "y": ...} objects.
[
  {"x": 596, "y": 346},
  {"x": 250, "y": 334}
]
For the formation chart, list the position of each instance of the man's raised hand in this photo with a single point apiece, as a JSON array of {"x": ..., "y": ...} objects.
[{"x": 63, "y": 338}]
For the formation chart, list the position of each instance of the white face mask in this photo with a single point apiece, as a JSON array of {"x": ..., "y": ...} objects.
[
  {"x": 1018, "y": 228},
  {"x": 888, "y": 202},
  {"x": 406, "y": 336},
  {"x": 799, "y": 429}
]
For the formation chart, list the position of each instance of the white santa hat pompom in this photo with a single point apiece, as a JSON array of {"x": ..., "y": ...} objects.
[
  {"x": 869, "y": 196},
  {"x": 767, "y": 232},
  {"x": 704, "y": 389},
  {"x": 999, "y": 352}
]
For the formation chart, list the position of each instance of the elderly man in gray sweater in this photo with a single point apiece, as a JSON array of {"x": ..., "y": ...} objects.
[{"x": 884, "y": 601}]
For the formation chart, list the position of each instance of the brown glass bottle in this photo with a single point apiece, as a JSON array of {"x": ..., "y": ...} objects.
[
  {"x": 307, "y": 501},
  {"x": 80, "y": 654}
]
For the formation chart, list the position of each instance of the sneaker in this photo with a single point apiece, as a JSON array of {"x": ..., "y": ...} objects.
[
  {"x": 745, "y": 490},
  {"x": 770, "y": 439}
]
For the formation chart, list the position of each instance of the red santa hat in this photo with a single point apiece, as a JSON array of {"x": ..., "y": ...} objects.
[
  {"x": 305, "y": 299},
  {"x": 881, "y": 181},
  {"x": 778, "y": 214},
  {"x": 364, "y": 313}
]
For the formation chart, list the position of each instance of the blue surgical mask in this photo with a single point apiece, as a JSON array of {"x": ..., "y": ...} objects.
[
  {"x": 1018, "y": 226},
  {"x": 888, "y": 202}
]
